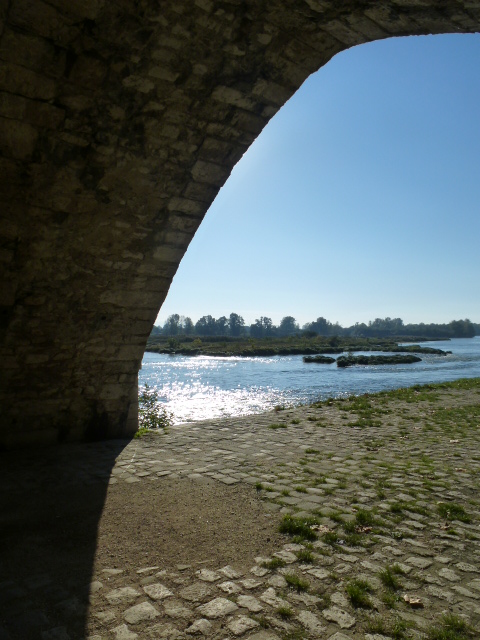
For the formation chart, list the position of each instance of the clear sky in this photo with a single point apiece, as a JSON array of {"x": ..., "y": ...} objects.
[{"x": 360, "y": 199}]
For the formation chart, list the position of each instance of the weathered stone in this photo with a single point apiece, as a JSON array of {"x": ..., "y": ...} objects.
[
  {"x": 242, "y": 624},
  {"x": 122, "y": 632},
  {"x": 218, "y": 608},
  {"x": 249, "y": 602},
  {"x": 340, "y": 617},
  {"x": 123, "y": 595},
  {"x": 157, "y": 591},
  {"x": 140, "y": 613},
  {"x": 200, "y": 627},
  {"x": 311, "y": 622},
  {"x": 195, "y": 592}
]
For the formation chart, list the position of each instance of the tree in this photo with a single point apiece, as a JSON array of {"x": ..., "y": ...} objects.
[
  {"x": 205, "y": 326},
  {"x": 172, "y": 325},
  {"x": 188, "y": 326},
  {"x": 236, "y": 324},
  {"x": 221, "y": 326},
  {"x": 262, "y": 328},
  {"x": 288, "y": 326}
]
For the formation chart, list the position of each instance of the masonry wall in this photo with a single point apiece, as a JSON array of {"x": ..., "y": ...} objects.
[{"x": 119, "y": 122}]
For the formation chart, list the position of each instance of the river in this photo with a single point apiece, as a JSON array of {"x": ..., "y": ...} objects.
[{"x": 203, "y": 387}]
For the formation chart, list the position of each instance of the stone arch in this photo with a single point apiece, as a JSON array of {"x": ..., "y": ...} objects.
[{"x": 119, "y": 123}]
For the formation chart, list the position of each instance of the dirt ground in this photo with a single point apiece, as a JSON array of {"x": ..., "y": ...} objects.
[{"x": 151, "y": 524}]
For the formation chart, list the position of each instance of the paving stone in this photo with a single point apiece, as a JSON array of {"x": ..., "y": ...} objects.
[
  {"x": 207, "y": 575},
  {"x": 157, "y": 591},
  {"x": 449, "y": 574},
  {"x": 340, "y": 617},
  {"x": 420, "y": 563},
  {"x": 264, "y": 635},
  {"x": 165, "y": 631},
  {"x": 286, "y": 556},
  {"x": 259, "y": 571},
  {"x": 229, "y": 572},
  {"x": 176, "y": 609},
  {"x": 200, "y": 627},
  {"x": 140, "y": 613},
  {"x": 311, "y": 622},
  {"x": 195, "y": 592},
  {"x": 250, "y": 583},
  {"x": 229, "y": 587},
  {"x": 249, "y": 602},
  {"x": 122, "y": 595},
  {"x": 122, "y": 632},
  {"x": 474, "y": 584},
  {"x": 321, "y": 574},
  {"x": 342, "y": 636},
  {"x": 105, "y": 617},
  {"x": 242, "y": 624},
  {"x": 277, "y": 581},
  {"x": 270, "y": 597},
  {"x": 217, "y": 608},
  {"x": 468, "y": 568}
]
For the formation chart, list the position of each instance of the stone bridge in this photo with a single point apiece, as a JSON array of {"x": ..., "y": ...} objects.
[{"x": 119, "y": 123}]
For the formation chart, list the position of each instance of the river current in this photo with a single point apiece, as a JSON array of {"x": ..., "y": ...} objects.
[{"x": 203, "y": 387}]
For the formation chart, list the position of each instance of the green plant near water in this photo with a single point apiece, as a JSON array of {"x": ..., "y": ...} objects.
[{"x": 151, "y": 414}]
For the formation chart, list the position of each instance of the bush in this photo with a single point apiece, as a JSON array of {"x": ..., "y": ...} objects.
[{"x": 151, "y": 414}]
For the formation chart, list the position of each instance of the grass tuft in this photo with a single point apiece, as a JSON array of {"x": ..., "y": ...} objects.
[
  {"x": 295, "y": 582},
  {"x": 358, "y": 590}
]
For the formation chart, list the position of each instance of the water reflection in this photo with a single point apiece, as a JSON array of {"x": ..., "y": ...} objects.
[{"x": 202, "y": 387}]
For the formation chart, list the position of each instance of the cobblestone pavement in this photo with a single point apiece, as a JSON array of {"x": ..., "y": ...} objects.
[{"x": 386, "y": 488}]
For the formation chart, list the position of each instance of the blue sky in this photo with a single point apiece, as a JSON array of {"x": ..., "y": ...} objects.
[{"x": 360, "y": 199}]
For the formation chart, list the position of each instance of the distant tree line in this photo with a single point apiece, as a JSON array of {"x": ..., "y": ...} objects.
[{"x": 234, "y": 326}]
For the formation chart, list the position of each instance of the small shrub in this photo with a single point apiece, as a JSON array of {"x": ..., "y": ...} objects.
[{"x": 151, "y": 414}]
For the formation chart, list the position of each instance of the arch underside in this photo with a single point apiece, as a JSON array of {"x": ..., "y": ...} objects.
[{"x": 119, "y": 123}]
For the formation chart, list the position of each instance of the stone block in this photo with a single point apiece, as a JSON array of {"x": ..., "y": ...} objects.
[{"x": 17, "y": 139}]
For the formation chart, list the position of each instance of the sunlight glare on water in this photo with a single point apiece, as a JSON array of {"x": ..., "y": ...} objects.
[{"x": 204, "y": 387}]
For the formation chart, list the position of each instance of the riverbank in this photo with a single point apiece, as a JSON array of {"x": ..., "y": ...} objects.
[{"x": 188, "y": 539}]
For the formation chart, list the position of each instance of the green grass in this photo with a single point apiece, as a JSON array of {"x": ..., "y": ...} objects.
[
  {"x": 295, "y": 582},
  {"x": 277, "y": 425},
  {"x": 358, "y": 590},
  {"x": 305, "y": 555},
  {"x": 285, "y": 612},
  {"x": 451, "y": 627},
  {"x": 389, "y": 578},
  {"x": 309, "y": 450},
  {"x": 330, "y": 538},
  {"x": 396, "y": 628},
  {"x": 274, "y": 563},
  {"x": 299, "y": 527},
  {"x": 453, "y": 511}
]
